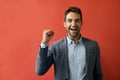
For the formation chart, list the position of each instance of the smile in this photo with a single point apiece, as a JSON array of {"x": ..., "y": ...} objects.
[{"x": 73, "y": 29}]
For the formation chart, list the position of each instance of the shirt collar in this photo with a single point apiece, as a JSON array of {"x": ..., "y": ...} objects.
[{"x": 71, "y": 41}]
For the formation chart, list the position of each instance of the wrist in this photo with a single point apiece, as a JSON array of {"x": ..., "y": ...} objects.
[
  {"x": 44, "y": 41},
  {"x": 43, "y": 45}
]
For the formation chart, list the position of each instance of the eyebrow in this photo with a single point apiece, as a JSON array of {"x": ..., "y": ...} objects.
[
  {"x": 72, "y": 19},
  {"x": 75, "y": 19}
]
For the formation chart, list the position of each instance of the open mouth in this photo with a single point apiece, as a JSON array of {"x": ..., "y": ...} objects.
[{"x": 73, "y": 29}]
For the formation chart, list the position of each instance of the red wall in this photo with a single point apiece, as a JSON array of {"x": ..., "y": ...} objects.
[{"x": 22, "y": 23}]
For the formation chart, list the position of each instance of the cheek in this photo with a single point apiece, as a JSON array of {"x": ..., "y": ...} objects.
[
  {"x": 79, "y": 25},
  {"x": 66, "y": 26}
]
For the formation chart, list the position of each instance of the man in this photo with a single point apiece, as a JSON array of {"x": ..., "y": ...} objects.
[{"x": 74, "y": 57}]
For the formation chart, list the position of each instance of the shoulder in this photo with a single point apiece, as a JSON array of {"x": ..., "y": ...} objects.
[
  {"x": 59, "y": 42},
  {"x": 89, "y": 41}
]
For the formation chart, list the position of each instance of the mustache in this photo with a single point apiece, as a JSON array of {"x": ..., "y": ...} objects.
[{"x": 73, "y": 27}]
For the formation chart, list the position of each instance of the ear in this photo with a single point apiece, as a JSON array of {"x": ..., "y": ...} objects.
[
  {"x": 64, "y": 23},
  {"x": 81, "y": 23}
]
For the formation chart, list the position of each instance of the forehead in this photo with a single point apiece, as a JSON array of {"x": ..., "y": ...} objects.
[{"x": 72, "y": 15}]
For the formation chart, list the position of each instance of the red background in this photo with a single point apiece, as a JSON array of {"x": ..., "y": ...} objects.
[{"x": 22, "y": 23}]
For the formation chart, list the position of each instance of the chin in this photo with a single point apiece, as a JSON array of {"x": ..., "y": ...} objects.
[{"x": 73, "y": 35}]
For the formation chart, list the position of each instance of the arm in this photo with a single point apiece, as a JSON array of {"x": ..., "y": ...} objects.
[
  {"x": 44, "y": 58},
  {"x": 43, "y": 61}
]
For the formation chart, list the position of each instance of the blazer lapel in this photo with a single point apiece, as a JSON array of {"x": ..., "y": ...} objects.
[
  {"x": 87, "y": 46},
  {"x": 65, "y": 51}
]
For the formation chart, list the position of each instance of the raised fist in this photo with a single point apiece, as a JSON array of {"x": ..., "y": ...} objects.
[{"x": 47, "y": 35}]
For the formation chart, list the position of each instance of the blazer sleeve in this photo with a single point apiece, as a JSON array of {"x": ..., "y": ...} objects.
[
  {"x": 97, "y": 70},
  {"x": 44, "y": 60}
]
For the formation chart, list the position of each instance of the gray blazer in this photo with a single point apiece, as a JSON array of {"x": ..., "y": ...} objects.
[{"x": 57, "y": 54}]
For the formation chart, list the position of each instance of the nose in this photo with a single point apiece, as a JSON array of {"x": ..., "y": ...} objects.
[{"x": 73, "y": 23}]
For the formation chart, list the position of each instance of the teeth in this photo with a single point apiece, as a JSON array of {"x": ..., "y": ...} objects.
[{"x": 73, "y": 28}]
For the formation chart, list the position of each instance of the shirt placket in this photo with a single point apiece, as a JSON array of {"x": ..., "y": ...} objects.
[{"x": 74, "y": 59}]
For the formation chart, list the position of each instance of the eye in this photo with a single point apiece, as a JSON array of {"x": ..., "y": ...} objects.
[
  {"x": 77, "y": 20},
  {"x": 69, "y": 20}
]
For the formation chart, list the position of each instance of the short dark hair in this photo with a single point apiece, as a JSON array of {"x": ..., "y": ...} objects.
[{"x": 75, "y": 10}]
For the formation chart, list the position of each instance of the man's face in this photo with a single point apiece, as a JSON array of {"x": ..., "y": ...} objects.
[{"x": 73, "y": 24}]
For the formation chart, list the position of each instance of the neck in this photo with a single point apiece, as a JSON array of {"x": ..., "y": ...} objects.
[{"x": 75, "y": 38}]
